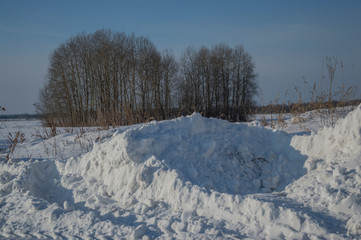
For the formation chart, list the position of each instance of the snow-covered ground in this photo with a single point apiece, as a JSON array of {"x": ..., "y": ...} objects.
[{"x": 186, "y": 178}]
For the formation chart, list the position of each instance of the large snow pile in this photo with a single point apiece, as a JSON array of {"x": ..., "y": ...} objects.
[
  {"x": 212, "y": 154},
  {"x": 333, "y": 182},
  {"x": 188, "y": 178}
]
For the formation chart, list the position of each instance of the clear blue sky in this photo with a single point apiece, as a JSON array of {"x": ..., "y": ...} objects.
[{"x": 287, "y": 39}]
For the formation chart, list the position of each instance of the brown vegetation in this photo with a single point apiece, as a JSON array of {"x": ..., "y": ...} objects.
[{"x": 327, "y": 101}]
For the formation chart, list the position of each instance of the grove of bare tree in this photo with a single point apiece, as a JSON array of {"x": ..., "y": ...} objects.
[
  {"x": 218, "y": 82},
  {"x": 108, "y": 78}
]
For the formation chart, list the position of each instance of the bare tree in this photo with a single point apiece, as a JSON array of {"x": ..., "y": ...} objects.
[
  {"x": 108, "y": 78},
  {"x": 219, "y": 82}
]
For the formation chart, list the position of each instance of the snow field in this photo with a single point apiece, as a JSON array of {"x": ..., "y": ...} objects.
[{"x": 187, "y": 178}]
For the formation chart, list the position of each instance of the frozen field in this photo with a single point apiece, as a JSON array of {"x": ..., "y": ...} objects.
[{"x": 186, "y": 178}]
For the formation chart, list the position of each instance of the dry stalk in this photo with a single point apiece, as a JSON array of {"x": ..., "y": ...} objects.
[{"x": 14, "y": 140}]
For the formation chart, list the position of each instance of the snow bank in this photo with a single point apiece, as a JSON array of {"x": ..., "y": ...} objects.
[
  {"x": 344, "y": 137},
  {"x": 198, "y": 167},
  {"x": 168, "y": 160},
  {"x": 186, "y": 178},
  {"x": 333, "y": 182}
]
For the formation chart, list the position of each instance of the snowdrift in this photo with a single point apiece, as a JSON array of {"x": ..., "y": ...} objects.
[
  {"x": 168, "y": 160},
  {"x": 344, "y": 137},
  {"x": 199, "y": 168},
  {"x": 189, "y": 178},
  {"x": 333, "y": 182}
]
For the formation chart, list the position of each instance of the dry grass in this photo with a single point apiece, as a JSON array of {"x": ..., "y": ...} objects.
[
  {"x": 327, "y": 101},
  {"x": 14, "y": 140}
]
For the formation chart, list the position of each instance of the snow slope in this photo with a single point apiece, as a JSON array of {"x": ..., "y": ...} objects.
[
  {"x": 333, "y": 182},
  {"x": 186, "y": 178}
]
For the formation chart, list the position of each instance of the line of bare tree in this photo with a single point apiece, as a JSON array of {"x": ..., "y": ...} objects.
[{"x": 108, "y": 78}]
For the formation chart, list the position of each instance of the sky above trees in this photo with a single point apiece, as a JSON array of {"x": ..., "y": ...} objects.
[{"x": 288, "y": 40}]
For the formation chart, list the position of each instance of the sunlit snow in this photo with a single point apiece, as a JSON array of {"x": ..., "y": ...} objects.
[{"x": 186, "y": 178}]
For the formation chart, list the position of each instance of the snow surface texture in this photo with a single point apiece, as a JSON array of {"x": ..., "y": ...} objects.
[
  {"x": 333, "y": 182},
  {"x": 186, "y": 178}
]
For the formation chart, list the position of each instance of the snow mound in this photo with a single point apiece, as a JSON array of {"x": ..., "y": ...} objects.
[
  {"x": 333, "y": 182},
  {"x": 344, "y": 137},
  {"x": 182, "y": 161},
  {"x": 186, "y": 178}
]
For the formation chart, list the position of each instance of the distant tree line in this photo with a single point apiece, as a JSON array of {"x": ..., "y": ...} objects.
[
  {"x": 21, "y": 116},
  {"x": 108, "y": 78}
]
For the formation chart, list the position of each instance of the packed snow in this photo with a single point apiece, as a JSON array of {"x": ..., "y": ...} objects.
[{"x": 185, "y": 178}]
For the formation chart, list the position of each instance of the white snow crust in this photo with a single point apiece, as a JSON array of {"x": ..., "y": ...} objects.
[
  {"x": 333, "y": 182},
  {"x": 186, "y": 178}
]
